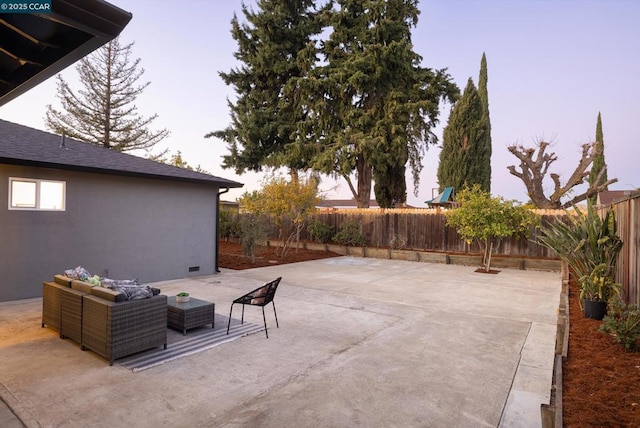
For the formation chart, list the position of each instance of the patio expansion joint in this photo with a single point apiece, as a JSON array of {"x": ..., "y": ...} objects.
[
  {"x": 15, "y": 406},
  {"x": 504, "y": 407},
  {"x": 353, "y": 307},
  {"x": 229, "y": 414}
]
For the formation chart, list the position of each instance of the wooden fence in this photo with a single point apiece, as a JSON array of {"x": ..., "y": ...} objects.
[
  {"x": 425, "y": 230},
  {"x": 627, "y": 212}
]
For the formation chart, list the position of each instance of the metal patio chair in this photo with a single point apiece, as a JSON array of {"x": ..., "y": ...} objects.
[{"x": 261, "y": 296}]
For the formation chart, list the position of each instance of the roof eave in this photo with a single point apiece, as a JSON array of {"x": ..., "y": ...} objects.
[
  {"x": 99, "y": 19},
  {"x": 79, "y": 168}
]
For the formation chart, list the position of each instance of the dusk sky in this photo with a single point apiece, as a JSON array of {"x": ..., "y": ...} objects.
[{"x": 552, "y": 66}]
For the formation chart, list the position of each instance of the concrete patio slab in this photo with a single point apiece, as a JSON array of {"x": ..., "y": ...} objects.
[{"x": 362, "y": 342}]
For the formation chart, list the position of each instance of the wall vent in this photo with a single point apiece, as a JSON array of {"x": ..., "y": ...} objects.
[{"x": 194, "y": 268}]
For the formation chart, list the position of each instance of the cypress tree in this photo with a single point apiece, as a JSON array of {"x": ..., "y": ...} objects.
[
  {"x": 599, "y": 163},
  {"x": 461, "y": 158},
  {"x": 483, "y": 93}
]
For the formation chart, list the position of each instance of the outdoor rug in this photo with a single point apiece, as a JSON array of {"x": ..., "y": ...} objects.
[{"x": 197, "y": 340}]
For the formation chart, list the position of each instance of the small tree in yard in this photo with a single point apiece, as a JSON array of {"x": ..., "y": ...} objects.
[
  {"x": 488, "y": 220},
  {"x": 253, "y": 231},
  {"x": 287, "y": 204}
]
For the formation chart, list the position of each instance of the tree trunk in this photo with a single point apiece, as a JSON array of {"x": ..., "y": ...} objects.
[
  {"x": 488, "y": 264},
  {"x": 293, "y": 173},
  {"x": 365, "y": 174}
]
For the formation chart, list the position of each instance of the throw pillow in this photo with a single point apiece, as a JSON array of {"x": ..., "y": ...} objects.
[{"x": 258, "y": 296}]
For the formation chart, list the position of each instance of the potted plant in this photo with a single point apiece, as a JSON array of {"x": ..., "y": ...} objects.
[
  {"x": 584, "y": 240},
  {"x": 596, "y": 289},
  {"x": 589, "y": 244},
  {"x": 182, "y": 297}
]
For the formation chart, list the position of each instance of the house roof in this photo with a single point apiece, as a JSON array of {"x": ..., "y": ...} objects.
[
  {"x": 21, "y": 145},
  {"x": 607, "y": 197},
  {"x": 348, "y": 203},
  {"x": 35, "y": 46},
  {"x": 344, "y": 203}
]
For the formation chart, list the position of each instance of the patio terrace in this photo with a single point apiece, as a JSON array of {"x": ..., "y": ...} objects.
[{"x": 362, "y": 342}]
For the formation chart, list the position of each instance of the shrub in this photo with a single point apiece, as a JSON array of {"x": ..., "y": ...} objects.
[
  {"x": 623, "y": 323},
  {"x": 349, "y": 234},
  {"x": 229, "y": 225},
  {"x": 287, "y": 203},
  {"x": 397, "y": 243},
  {"x": 319, "y": 231}
]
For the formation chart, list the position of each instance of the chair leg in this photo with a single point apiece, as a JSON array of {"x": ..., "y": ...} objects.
[
  {"x": 274, "y": 313},
  {"x": 265, "y": 323},
  {"x": 242, "y": 319},
  {"x": 229, "y": 323}
]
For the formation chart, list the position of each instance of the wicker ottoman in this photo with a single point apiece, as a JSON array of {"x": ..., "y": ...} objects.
[{"x": 194, "y": 313}]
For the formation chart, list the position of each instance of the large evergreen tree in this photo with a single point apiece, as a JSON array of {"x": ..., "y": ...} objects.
[
  {"x": 483, "y": 93},
  {"x": 375, "y": 105},
  {"x": 104, "y": 113},
  {"x": 275, "y": 46},
  {"x": 463, "y": 146},
  {"x": 390, "y": 186},
  {"x": 598, "y": 173}
]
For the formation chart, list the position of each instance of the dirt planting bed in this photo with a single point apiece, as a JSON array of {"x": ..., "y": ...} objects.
[
  {"x": 231, "y": 257},
  {"x": 601, "y": 381}
]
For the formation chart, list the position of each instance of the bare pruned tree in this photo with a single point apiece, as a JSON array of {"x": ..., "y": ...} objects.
[{"x": 534, "y": 168}]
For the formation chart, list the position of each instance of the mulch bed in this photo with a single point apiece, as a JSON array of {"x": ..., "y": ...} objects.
[
  {"x": 601, "y": 381},
  {"x": 231, "y": 257}
]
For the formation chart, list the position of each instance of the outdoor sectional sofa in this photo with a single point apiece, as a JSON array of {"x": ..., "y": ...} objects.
[{"x": 102, "y": 320}]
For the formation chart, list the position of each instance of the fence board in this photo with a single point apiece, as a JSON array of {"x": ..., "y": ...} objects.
[
  {"x": 426, "y": 229},
  {"x": 627, "y": 213},
  {"x": 421, "y": 229}
]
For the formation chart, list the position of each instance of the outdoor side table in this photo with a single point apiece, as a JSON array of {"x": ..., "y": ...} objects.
[{"x": 194, "y": 313}]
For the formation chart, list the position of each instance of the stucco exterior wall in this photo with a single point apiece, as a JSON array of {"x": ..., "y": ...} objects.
[{"x": 120, "y": 227}]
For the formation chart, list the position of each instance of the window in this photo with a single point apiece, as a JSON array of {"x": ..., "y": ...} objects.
[{"x": 29, "y": 194}]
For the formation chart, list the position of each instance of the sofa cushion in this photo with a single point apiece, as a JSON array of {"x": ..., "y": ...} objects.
[
  {"x": 77, "y": 273},
  {"x": 62, "y": 280},
  {"x": 134, "y": 292},
  {"x": 110, "y": 295},
  {"x": 112, "y": 283},
  {"x": 81, "y": 286}
]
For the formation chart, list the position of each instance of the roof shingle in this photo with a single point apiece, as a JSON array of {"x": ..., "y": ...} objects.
[{"x": 21, "y": 145}]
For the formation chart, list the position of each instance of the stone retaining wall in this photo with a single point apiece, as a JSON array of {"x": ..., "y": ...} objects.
[{"x": 432, "y": 257}]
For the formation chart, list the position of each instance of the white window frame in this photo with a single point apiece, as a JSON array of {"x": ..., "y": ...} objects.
[{"x": 38, "y": 200}]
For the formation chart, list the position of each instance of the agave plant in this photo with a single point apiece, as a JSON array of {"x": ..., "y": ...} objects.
[{"x": 585, "y": 241}]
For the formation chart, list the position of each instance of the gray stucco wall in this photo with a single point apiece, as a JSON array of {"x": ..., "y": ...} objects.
[{"x": 119, "y": 227}]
